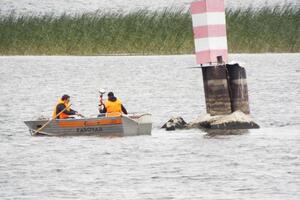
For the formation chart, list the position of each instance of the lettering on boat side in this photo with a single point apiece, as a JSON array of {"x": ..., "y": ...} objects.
[
  {"x": 89, "y": 130},
  {"x": 89, "y": 123}
]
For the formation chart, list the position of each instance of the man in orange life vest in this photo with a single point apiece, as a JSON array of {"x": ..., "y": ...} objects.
[
  {"x": 62, "y": 104},
  {"x": 113, "y": 106}
]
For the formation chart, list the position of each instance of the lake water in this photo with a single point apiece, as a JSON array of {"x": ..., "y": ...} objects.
[
  {"x": 34, "y": 7},
  {"x": 185, "y": 164}
]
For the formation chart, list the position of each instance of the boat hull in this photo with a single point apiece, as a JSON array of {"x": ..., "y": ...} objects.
[{"x": 103, "y": 126}]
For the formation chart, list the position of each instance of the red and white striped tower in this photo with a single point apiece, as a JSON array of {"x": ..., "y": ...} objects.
[
  {"x": 209, "y": 26},
  {"x": 225, "y": 85}
]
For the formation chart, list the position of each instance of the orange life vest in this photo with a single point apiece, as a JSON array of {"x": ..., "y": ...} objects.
[
  {"x": 62, "y": 115},
  {"x": 113, "y": 108}
]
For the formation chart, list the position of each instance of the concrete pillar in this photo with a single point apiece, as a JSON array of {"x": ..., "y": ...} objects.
[
  {"x": 216, "y": 90},
  {"x": 238, "y": 88}
]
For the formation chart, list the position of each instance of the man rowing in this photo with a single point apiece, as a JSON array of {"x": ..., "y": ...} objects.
[{"x": 62, "y": 109}]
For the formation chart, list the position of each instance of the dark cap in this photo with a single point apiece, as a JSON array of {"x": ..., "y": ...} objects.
[
  {"x": 110, "y": 94},
  {"x": 65, "y": 97}
]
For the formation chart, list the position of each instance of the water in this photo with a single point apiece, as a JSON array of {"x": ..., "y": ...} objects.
[
  {"x": 186, "y": 164},
  {"x": 33, "y": 7}
]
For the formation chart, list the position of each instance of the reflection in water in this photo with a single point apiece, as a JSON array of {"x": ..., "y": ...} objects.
[{"x": 215, "y": 133}]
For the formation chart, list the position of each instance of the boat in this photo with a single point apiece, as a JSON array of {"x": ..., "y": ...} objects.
[{"x": 119, "y": 126}]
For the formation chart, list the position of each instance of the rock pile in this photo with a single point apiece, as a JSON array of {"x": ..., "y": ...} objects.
[{"x": 236, "y": 120}]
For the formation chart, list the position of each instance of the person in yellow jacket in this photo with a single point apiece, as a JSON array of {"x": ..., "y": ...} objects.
[
  {"x": 113, "y": 106},
  {"x": 64, "y": 105}
]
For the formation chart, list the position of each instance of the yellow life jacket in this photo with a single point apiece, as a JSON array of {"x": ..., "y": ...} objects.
[
  {"x": 113, "y": 108},
  {"x": 62, "y": 115}
]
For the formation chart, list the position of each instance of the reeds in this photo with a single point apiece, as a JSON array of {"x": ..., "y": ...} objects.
[
  {"x": 145, "y": 32},
  {"x": 265, "y": 30}
]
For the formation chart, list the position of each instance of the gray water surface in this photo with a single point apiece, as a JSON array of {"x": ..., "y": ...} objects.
[
  {"x": 42, "y": 7},
  {"x": 188, "y": 164}
]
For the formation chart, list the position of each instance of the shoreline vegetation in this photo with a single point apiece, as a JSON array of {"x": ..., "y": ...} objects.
[{"x": 143, "y": 32}]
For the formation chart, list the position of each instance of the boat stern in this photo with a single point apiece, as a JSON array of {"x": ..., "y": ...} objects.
[{"x": 137, "y": 125}]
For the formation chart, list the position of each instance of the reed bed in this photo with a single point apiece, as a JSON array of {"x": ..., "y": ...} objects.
[
  {"x": 265, "y": 30},
  {"x": 145, "y": 32}
]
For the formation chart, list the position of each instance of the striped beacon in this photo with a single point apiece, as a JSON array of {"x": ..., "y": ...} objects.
[{"x": 209, "y": 27}]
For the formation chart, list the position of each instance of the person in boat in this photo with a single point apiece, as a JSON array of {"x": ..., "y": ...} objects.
[
  {"x": 64, "y": 105},
  {"x": 113, "y": 106}
]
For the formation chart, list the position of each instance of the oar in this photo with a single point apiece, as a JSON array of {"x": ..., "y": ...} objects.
[{"x": 52, "y": 119}]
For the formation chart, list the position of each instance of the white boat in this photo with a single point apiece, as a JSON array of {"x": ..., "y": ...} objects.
[{"x": 124, "y": 125}]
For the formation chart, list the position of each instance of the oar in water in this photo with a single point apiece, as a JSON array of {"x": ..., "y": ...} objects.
[{"x": 35, "y": 132}]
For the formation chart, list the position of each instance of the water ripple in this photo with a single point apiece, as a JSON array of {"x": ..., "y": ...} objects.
[{"x": 188, "y": 164}]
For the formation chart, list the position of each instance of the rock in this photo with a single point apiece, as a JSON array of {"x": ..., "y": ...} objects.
[
  {"x": 175, "y": 123},
  {"x": 170, "y": 126},
  {"x": 235, "y": 125},
  {"x": 236, "y": 120},
  {"x": 202, "y": 121}
]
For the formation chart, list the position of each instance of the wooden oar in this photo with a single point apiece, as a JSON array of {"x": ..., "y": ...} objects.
[{"x": 35, "y": 132}]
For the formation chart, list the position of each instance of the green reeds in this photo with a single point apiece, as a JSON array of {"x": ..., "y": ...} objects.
[
  {"x": 145, "y": 32},
  {"x": 265, "y": 30}
]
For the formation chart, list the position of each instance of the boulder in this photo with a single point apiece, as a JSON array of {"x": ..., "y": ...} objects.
[
  {"x": 236, "y": 120},
  {"x": 175, "y": 123}
]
